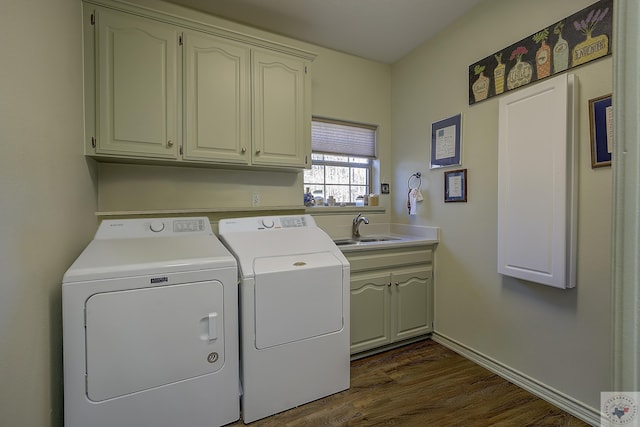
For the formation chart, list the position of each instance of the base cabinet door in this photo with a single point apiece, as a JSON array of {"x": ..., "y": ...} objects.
[
  {"x": 137, "y": 86},
  {"x": 411, "y": 303},
  {"x": 391, "y": 297},
  {"x": 370, "y": 311}
]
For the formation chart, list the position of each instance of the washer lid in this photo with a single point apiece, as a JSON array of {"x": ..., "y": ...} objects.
[
  {"x": 116, "y": 258},
  {"x": 248, "y": 246}
]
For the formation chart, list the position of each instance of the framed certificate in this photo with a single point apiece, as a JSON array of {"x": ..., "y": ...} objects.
[
  {"x": 446, "y": 142},
  {"x": 455, "y": 186},
  {"x": 601, "y": 127}
]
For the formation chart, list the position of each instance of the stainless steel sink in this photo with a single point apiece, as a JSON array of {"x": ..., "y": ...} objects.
[{"x": 361, "y": 240}]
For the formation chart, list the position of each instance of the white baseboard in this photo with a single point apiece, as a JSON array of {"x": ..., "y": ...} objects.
[{"x": 577, "y": 409}]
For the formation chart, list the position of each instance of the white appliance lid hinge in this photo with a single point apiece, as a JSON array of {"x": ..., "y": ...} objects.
[{"x": 93, "y": 19}]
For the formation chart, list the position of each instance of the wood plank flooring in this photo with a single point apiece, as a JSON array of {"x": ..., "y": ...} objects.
[{"x": 423, "y": 384}]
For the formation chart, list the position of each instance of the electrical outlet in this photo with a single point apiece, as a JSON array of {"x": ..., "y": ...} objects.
[{"x": 255, "y": 199}]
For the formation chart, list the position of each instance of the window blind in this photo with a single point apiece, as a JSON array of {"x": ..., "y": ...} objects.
[{"x": 343, "y": 138}]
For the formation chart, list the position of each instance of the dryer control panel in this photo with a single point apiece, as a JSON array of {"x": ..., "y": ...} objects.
[
  {"x": 153, "y": 227},
  {"x": 266, "y": 223}
]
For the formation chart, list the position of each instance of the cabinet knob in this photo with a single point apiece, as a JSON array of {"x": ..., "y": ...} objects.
[
  {"x": 258, "y": 151},
  {"x": 244, "y": 149},
  {"x": 389, "y": 284},
  {"x": 169, "y": 143}
]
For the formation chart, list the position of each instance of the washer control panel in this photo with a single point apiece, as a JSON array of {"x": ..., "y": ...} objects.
[{"x": 266, "y": 223}]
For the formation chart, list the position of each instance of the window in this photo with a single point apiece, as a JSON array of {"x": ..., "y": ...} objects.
[{"x": 342, "y": 157}]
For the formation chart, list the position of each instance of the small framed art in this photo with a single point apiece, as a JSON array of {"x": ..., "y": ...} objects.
[
  {"x": 446, "y": 142},
  {"x": 455, "y": 186},
  {"x": 601, "y": 127}
]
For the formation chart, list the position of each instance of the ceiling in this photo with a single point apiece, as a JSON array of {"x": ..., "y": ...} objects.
[{"x": 381, "y": 30}]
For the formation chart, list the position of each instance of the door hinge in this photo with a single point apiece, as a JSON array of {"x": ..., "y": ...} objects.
[
  {"x": 181, "y": 151},
  {"x": 93, "y": 19},
  {"x": 305, "y": 69},
  {"x": 180, "y": 42},
  {"x": 93, "y": 142}
]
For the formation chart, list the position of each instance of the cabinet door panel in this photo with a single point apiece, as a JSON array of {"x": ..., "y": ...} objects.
[
  {"x": 412, "y": 310},
  {"x": 279, "y": 113},
  {"x": 217, "y": 100},
  {"x": 137, "y": 86},
  {"x": 537, "y": 194},
  {"x": 370, "y": 311}
]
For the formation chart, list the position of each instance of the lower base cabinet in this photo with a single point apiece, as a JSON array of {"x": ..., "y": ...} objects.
[{"x": 391, "y": 297}]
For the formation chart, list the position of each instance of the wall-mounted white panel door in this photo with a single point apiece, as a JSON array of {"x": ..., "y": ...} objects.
[{"x": 536, "y": 184}]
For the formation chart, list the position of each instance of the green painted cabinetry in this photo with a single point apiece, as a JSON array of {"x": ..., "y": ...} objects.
[
  {"x": 136, "y": 74},
  {"x": 163, "y": 88},
  {"x": 217, "y": 99},
  {"x": 391, "y": 296}
]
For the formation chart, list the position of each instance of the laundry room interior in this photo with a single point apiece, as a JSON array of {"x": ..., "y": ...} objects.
[{"x": 565, "y": 344}]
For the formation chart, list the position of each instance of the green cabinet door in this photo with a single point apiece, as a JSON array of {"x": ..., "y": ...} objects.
[
  {"x": 281, "y": 115},
  {"x": 370, "y": 311},
  {"x": 136, "y": 86},
  {"x": 217, "y": 99},
  {"x": 411, "y": 308}
]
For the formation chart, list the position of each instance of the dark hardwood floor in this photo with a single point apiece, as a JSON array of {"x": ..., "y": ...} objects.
[{"x": 424, "y": 384}]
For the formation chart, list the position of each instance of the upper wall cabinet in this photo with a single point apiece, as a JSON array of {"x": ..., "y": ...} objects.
[
  {"x": 537, "y": 195},
  {"x": 279, "y": 109},
  {"x": 164, "y": 88},
  {"x": 136, "y": 105},
  {"x": 217, "y": 99}
]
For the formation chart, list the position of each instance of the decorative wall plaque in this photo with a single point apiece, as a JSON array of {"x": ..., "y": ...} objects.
[{"x": 576, "y": 40}]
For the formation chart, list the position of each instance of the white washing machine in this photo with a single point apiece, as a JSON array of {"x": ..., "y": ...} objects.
[
  {"x": 294, "y": 312},
  {"x": 150, "y": 327}
]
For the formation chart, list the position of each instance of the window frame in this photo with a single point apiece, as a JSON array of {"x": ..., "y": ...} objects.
[{"x": 368, "y": 166}]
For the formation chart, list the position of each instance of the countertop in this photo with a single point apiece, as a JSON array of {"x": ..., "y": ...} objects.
[{"x": 399, "y": 236}]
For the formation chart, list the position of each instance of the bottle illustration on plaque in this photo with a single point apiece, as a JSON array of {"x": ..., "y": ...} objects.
[
  {"x": 560, "y": 50},
  {"x": 498, "y": 74},
  {"x": 522, "y": 71},
  {"x": 481, "y": 86},
  {"x": 592, "y": 47},
  {"x": 543, "y": 54}
]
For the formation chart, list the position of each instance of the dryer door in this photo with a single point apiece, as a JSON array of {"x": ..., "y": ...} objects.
[
  {"x": 143, "y": 338},
  {"x": 297, "y": 297}
]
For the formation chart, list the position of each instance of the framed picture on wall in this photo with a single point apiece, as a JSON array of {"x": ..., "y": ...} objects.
[
  {"x": 455, "y": 186},
  {"x": 446, "y": 142},
  {"x": 601, "y": 129}
]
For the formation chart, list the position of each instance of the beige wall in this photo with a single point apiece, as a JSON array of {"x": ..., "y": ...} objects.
[
  {"x": 557, "y": 337},
  {"x": 47, "y": 200},
  {"x": 343, "y": 87}
]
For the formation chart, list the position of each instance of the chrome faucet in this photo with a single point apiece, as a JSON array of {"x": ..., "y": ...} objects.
[{"x": 355, "y": 228}]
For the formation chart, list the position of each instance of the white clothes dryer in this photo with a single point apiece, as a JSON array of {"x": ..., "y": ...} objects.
[
  {"x": 150, "y": 327},
  {"x": 294, "y": 312}
]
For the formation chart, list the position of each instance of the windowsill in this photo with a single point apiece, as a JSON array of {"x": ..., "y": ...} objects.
[{"x": 349, "y": 209}]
